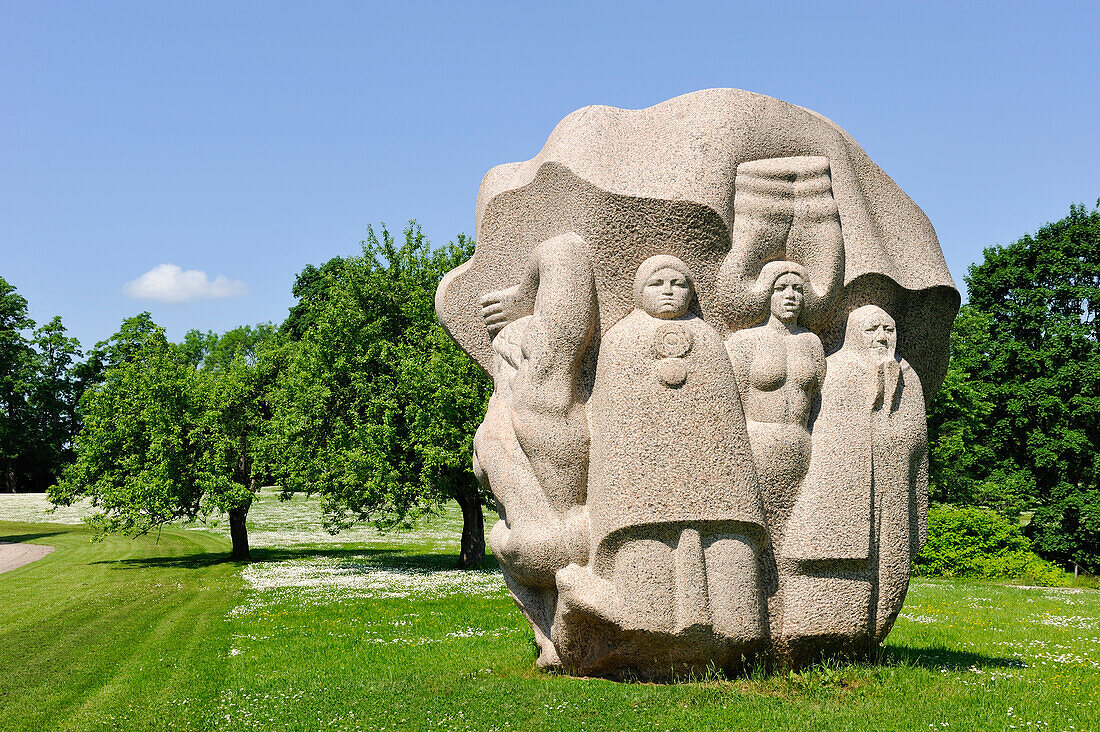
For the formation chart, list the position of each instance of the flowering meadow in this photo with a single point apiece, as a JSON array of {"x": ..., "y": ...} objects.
[{"x": 369, "y": 631}]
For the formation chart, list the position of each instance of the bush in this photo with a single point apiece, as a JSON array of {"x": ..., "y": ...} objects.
[{"x": 979, "y": 543}]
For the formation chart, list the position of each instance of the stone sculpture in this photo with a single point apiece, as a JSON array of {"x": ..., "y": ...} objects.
[{"x": 685, "y": 479}]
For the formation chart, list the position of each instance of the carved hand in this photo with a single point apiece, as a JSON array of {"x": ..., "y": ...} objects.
[{"x": 501, "y": 307}]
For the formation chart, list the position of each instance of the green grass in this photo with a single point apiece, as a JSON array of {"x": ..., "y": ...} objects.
[
  {"x": 385, "y": 634},
  {"x": 124, "y": 631}
]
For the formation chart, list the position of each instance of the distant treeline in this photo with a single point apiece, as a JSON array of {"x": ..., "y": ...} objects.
[{"x": 358, "y": 396}]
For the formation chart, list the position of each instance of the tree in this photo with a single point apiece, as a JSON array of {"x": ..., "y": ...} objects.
[
  {"x": 52, "y": 401},
  {"x": 39, "y": 387},
  {"x": 311, "y": 287},
  {"x": 959, "y": 459},
  {"x": 1069, "y": 531},
  {"x": 163, "y": 441},
  {"x": 1027, "y": 346},
  {"x": 375, "y": 407},
  {"x": 213, "y": 352},
  {"x": 17, "y": 359}
]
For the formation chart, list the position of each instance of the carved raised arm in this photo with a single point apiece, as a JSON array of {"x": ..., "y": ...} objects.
[{"x": 783, "y": 209}]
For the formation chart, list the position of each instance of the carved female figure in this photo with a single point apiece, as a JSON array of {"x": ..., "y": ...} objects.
[
  {"x": 780, "y": 367},
  {"x": 672, "y": 496}
]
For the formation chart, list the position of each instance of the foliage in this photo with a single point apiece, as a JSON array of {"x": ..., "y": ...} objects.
[
  {"x": 1069, "y": 531},
  {"x": 163, "y": 441},
  {"x": 311, "y": 287},
  {"x": 957, "y": 418},
  {"x": 213, "y": 352},
  {"x": 980, "y": 543},
  {"x": 16, "y": 367},
  {"x": 1017, "y": 426},
  {"x": 375, "y": 407},
  {"x": 53, "y": 398},
  {"x": 40, "y": 383}
]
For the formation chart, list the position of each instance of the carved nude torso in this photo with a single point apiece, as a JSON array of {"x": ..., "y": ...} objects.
[
  {"x": 783, "y": 373},
  {"x": 780, "y": 367}
]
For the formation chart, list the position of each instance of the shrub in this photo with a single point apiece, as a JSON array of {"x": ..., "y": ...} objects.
[{"x": 980, "y": 543}]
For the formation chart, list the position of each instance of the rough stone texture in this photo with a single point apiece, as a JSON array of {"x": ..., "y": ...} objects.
[{"x": 685, "y": 479}]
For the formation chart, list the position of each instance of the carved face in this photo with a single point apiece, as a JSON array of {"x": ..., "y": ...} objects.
[
  {"x": 787, "y": 296},
  {"x": 879, "y": 333},
  {"x": 666, "y": 294}
]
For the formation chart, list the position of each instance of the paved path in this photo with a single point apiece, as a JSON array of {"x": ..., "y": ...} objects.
[{"x": 16, "y": 555}]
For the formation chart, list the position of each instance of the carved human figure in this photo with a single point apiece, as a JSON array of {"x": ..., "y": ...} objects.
[
  {"x": 531, "y": 450},
  {"x": 557, "y": 289},
  {"x": 780, "y": 367},
  {"x": 525, "y": 532},
  {"x": 673, "y": 502},
  {"x": 783, "y": 209},
  {"x": 860, "y": 519}
]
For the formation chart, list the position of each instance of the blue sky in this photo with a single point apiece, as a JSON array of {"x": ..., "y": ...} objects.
[{"x": 247, "y": 139}]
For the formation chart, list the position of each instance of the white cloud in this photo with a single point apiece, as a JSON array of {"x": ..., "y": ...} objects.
[{"x": 170, "y": 283}]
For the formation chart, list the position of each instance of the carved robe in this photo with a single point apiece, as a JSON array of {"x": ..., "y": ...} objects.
[
  {"x": 860, "y": 518},
  {"x": 668, "y": 432}
]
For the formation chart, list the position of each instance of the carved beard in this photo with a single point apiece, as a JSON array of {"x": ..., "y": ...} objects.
[{"x": 884, "y": 384}]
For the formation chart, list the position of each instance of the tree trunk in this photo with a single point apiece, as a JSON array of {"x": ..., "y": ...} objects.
[
  {"x": 239, "y": 534},
  {"x": 472, "y": 553}
]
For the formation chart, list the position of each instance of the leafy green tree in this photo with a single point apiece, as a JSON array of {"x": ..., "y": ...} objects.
[
  {"x": 39, "y": 389},
  {"x": 1069, "y": 531},
  {"x": 53, "y": 400},
  {"x": 163, "y": 441},
  {"x": 375, "y": 408},
  {"x": 960, "y": 459},
  {"x": 211, "y": 351},
  {"x": 311, "y": 287},
  {"x": 1027, "y": 350},
  {"x": 117, "y": 349},
  {"x": 17, "y": 362}
]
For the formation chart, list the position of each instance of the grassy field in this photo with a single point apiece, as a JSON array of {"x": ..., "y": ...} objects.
[{"x": 378, "y": 632}]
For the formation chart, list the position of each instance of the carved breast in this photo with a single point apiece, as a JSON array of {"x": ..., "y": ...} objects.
[
  {"x": 768, "y": 369},
  {"x": 778, "y": 361}
]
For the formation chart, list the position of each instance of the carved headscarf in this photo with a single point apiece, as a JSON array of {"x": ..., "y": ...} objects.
[{"x": 655, "y": 264}]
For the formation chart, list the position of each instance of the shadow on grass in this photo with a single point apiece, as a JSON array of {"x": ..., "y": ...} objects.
[
  {"x": 943, "y": 658},
  {"x": 19, "y": 538},
  {"x": 375, "y": 558},
  {"x": 381, "y": 558},
  {"x": 186, "y": 561}
]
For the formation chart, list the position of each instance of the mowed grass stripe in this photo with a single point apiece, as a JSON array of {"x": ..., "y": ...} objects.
[
  {"x": 157, "y": 661},
  {"x": 120, "y": 632}
]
